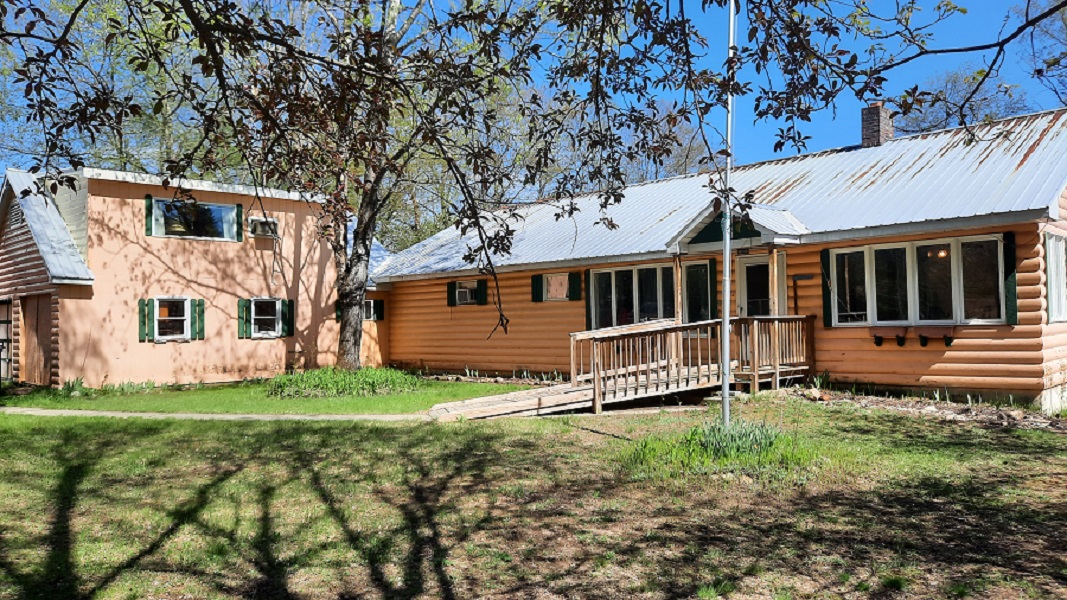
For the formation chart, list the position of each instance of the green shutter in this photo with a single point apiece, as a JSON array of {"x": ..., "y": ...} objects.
[
  {"x": 451, "y": 293},
  {"x": 588, "y": 300},
  {"x": 537, "y": 288},
  {"x": 574, "y": 286},
  {"x": 150, "y": 320},
  {"x": 142, "y": 320},
  {"x": 379, "y": 309},
  {"x": 240, "y": 223},
  {"x": 1011, "y": 297},
  {"x": 483, "y": 292},
  {"x": 149, "y": 206},
  {"x": 827, "y": 295},
  {"x": 199, "y": 318},
  {"x": 193, "y": 320},
  {"x": 288, "y": 318},
  {"x": 337, "y": 310},
  {"x": 243, "y": 308},
  {"x": 713, "y": 281}
]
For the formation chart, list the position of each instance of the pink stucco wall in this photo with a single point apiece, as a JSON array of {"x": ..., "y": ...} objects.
[{"x": 98, "y": 333}]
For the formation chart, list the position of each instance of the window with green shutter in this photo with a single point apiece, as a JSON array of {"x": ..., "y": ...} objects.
[
  {"x": 374, "y": 310},
  {"x": 170, "y": 319},
  {"x": 265, "y": 318}
]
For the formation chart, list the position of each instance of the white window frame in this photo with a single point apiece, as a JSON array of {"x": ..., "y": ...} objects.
[
  {"x": 614, "y": 308},
  {"x": 910, "y": 284},
  {"x": 685, "y": 287},
  {"x": 956, "y": 256},
  {"x": 470, "y": 286},
  {"x": 187, "y": 335},
  {"x": 545, "y": 287},
  {"x": 866, "y": 285},
  {"x": 159, "y": 227},
  {"x": 1056, "y": 276},
  {"x": 277, "y": 333}
]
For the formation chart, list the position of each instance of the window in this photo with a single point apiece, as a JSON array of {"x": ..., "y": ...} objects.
[
  {"x": 632, "y": 295},
  {"x": 602, "y": 286},
  {"x": 1056, "y": 263},
  {"x": 890, "y": 285},
  {"x": 466, "y": 293},
  {"x": 666, "y": 281},
  {"x": 172, "y": 319},
  {"x": 266, "y": 317},
  {"x": 850, "y": 285},
  {"x": 173, "y": 218},
  {"x": 556, "y": 286},
  {"x": 934, "y": 279},
  {"x": 648, "y": 294},
  {"x": 982, "y": 284},
  {"x": 950, "y": 281},
  {"x": 624, "y": 297}
]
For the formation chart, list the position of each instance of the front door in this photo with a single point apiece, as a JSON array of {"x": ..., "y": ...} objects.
[
  {"x": 757, "y": 291},
  {"x": 35, "y": 339},
  {"x": 754, "y": 286}
]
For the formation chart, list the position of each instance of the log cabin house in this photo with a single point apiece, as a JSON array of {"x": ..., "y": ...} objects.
[
  {"x": 113, "y": 281},
  {"x": 931, "y": 261}
]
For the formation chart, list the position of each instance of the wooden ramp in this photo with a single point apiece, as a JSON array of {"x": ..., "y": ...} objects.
[
  {"x": 527, "y": 403},
  {"x": 654, "y": 359},
  {"x": 542, "y": 401}
]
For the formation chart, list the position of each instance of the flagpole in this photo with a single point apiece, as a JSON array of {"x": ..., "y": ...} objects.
[{"x": 727, "y": 227}]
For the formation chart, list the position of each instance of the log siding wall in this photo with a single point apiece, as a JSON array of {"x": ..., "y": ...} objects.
[
  {"x": 23, "y": 273},
  {"x": 996, "y": 359}
]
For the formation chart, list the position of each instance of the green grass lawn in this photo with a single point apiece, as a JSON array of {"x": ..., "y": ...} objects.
[
  {"x": 858, "y": 503},
  {"x": 251, "y": 398}
]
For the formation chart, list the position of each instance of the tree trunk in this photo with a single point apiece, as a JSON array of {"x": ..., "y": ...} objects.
[{"x": 352, "y": 289}]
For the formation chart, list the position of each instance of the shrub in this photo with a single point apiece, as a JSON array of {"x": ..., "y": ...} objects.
[
  {"x": 331, "y": 382},
  {"x": 127, "y": 388},
  {"x": 72, "y": 388},
  {"x": 713, "y": 447}
]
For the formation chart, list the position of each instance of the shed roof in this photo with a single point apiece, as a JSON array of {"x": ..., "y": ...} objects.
[
  {"x": 1016, "y": 168},
  {"x": 61, "y": 257}
]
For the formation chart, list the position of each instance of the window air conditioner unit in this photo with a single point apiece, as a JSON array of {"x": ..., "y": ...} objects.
[{"x": 261, "y": 227}]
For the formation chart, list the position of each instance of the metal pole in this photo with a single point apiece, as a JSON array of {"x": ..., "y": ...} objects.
[{"x": 727, "y": 227}]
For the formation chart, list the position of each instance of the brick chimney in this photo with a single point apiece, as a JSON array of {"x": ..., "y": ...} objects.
[{"x": 877, "y": 125}]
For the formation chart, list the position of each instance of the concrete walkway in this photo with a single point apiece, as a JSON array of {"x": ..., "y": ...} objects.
[{"x": 51, "y": 412}]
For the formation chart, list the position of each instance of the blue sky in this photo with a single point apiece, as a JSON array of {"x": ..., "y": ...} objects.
[{"x": 982, "y": 23}]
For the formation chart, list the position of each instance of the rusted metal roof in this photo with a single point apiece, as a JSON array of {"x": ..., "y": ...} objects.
[
  {"x": 1015, "y": 167},
  {"x": 49, "y": 231}
]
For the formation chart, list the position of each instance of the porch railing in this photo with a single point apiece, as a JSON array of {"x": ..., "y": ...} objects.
[{"x": 663, "y": 356}]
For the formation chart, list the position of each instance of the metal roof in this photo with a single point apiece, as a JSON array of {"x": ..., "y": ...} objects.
[
  {"x": 49, "y": 231},
  {"x": 196, "y": 185},
  {"x": 1016, "y": 165}
]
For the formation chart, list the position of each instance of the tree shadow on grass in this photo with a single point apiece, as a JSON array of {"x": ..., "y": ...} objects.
[
  {"x": 989, "y": 520},
  {"x": 428, "y": 487},
  {"x": 415, "y": 473}
]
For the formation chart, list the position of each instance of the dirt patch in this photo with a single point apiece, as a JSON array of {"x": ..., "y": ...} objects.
[{"x": 985, "y": 415}]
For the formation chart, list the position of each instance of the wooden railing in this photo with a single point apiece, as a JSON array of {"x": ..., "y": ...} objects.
[{"x": 663, "y": 356}]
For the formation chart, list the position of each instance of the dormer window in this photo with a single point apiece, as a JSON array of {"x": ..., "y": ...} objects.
[{"x": 194, "y": 220}]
